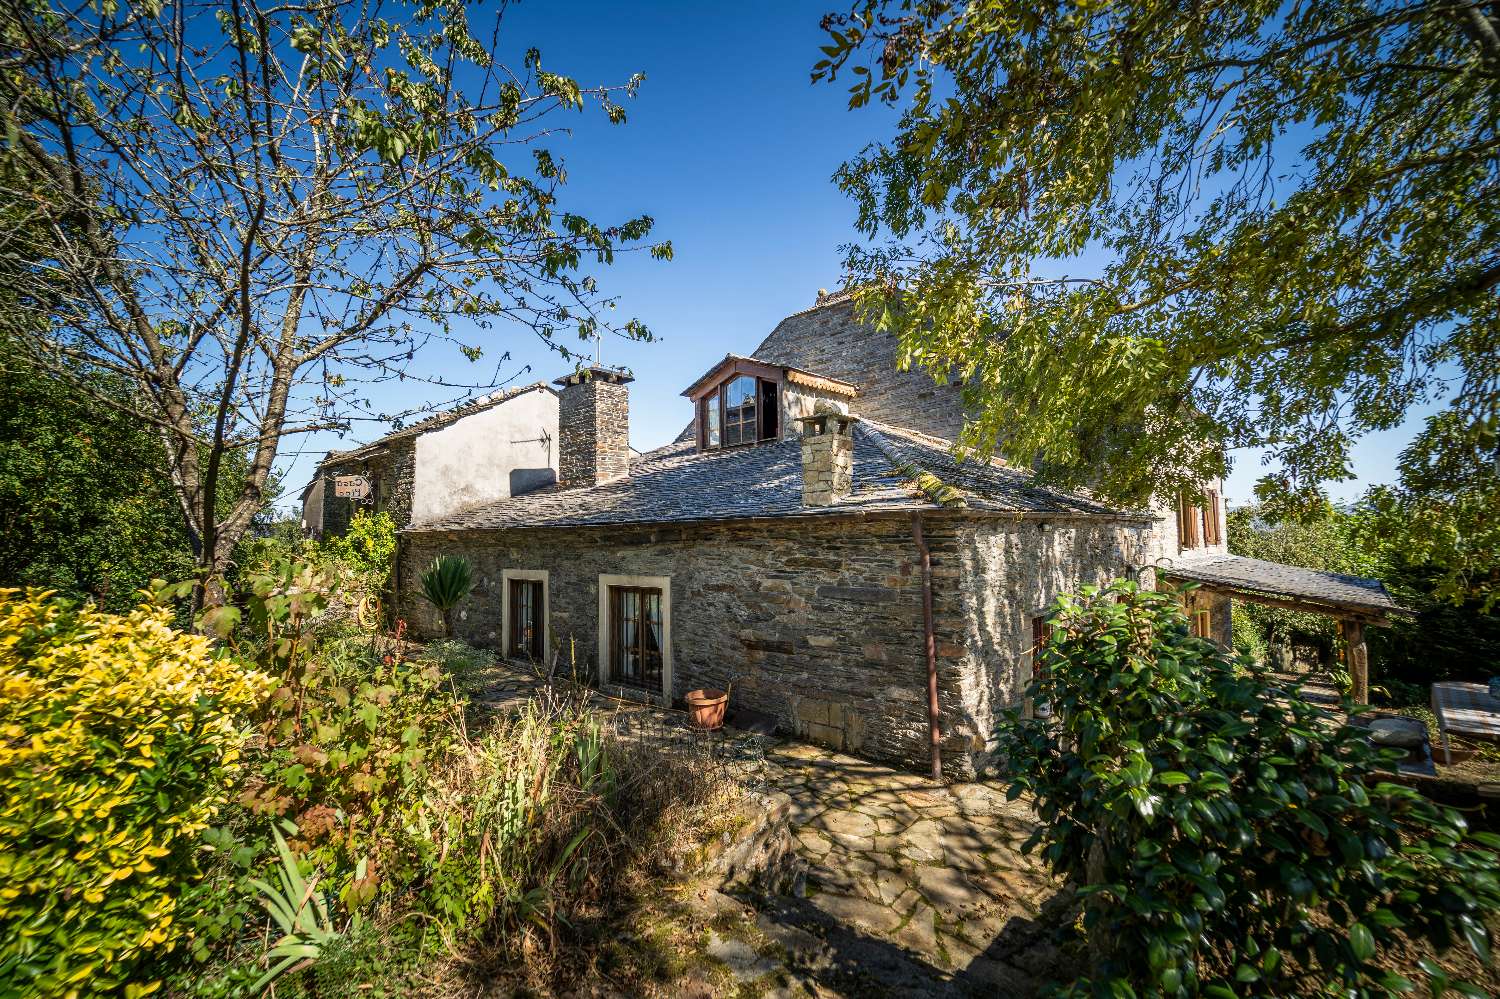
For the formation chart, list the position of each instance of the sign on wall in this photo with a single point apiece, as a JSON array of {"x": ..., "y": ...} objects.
[{"x": 355, "y": 487}]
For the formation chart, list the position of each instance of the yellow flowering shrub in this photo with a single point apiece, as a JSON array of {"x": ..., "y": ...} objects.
[{"x": 119, "y": 738}]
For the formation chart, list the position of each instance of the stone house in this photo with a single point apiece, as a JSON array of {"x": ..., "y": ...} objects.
[
  {"x": 501, "y": 445},
  {"x": 776, "y": 548}
]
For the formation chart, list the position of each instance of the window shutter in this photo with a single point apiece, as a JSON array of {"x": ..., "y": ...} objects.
[{"x": 1188, "y": 518}]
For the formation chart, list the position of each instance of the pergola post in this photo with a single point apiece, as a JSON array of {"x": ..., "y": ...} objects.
[{"x": 1359, "y": 659}]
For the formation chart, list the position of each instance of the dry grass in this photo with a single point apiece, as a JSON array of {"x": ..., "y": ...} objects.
[{"x": 545, "y": 828}]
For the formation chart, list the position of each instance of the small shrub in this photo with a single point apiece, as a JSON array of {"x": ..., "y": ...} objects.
[
  {"x": 345, "y": 738},
  {"x": 1231, "y": 838},
  {"x": 119, "y": 737},
  {"x": 358, "y": 564},
  {"x": 444, "y": 584},
  {"x": 367, "y": 549}
]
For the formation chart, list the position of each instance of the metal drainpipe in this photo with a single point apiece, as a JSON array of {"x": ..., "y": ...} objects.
[{"x": 934, "y": 730}]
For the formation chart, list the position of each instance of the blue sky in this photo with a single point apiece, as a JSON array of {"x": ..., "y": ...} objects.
[{"x": 731, "y": 149}]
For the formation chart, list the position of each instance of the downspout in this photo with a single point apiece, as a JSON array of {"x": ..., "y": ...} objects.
[{"x": 934, "y": 730}]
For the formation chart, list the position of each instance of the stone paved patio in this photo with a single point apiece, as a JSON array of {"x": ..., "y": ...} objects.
[
  {"x": 909, "y": 887},
  {"x": 936, "y": 871}
]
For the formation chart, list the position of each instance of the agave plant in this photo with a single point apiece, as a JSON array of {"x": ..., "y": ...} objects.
[
  {"x": 444, "y": 584},
  {"x": 300, "y": 911}
]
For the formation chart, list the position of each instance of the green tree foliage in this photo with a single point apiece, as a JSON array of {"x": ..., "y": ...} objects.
[
  {"x": 86, "y": 506},
  {"x": 1444, "y": 514},
  {"x": 1452, "y": 634},
  {"x": 1131, "y": 228},
  {"x": 86, "y": 501},
  {"x": 1231, "y": 838},
  {"x": 255, "y": 208}
]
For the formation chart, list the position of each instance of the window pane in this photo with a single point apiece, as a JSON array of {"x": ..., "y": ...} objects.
[
  {"x": 525, "y": 636},
  {"x": 630, "y": 610},
  {"x": 711, "y": 405},
  {"x": 739, "y": 410},
  {"x": 636, "y": 639},
  {"x": 651, "y": 640}
]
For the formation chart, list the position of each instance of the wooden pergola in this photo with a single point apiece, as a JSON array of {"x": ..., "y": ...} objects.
[{"x": 1355, "y": 602}]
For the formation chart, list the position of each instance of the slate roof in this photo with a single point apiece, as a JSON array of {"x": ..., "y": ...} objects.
[
  {"x": 437, "y": 420},
  {"x": 677, "y": 484},
  {"x": 1253, "y": 575}
]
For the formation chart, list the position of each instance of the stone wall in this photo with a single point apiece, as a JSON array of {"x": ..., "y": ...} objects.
[
  {"x": 1008, "y": 574},
  {"x": 817, "y": 621},
  {"x": 391, "y": 472},
  {"x": 830, "y": 341}
]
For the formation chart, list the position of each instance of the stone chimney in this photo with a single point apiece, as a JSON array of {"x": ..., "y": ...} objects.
[
  {"x": 593, "y": 427},
  {"x": 827, "y": 455}
]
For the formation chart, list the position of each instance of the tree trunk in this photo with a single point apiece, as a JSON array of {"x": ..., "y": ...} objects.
[{"x": 211, "y": 563}]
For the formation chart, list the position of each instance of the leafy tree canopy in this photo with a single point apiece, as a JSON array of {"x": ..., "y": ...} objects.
[
  {"x": 257, "y": 210},
  {"x": 1295, "y": 210},
  {"x": 85, "y": 506},
  {"x": 1442, "y": 519}
]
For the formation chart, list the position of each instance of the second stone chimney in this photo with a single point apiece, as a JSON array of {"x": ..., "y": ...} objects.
[
  {"x": 827, "y": 455},
  {"x": 593, "y": 427}
]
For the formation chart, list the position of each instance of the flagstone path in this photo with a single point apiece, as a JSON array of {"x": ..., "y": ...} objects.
[
  {"x": 910, "y": 888},
  {"x": 934, "y": 872}
]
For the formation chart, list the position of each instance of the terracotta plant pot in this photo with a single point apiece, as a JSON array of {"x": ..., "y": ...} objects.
[{"x": 706, "y": 708}]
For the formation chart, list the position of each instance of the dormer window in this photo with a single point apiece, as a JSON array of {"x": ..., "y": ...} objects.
[
  {"x": 740, "y": 410},
  {"x": 742, "y": 400}
]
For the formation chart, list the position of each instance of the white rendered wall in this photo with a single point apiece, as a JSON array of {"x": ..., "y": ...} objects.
[{"x": 490, "y": 455}]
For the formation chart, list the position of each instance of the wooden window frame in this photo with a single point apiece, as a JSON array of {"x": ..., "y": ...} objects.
[
  {"x": 542, "y": 576},
  {"x": 1040, "y": 633},
  {"x": 1202, "y": 622},
  {"x": 740, "y": 423},
  {"x": 711, "y": 398},
  {"x": 607, "y": 584}
]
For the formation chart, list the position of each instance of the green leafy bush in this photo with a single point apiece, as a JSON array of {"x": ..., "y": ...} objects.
[
  {"x": 366, "y": 552},
  {"x": 444, "y": 584},
  {"x": 346, "y": 736},
  {"x": 1249, "y": 641},
  {"x": 1231, "y": 837},
  {"x": 119, "y": 739}
]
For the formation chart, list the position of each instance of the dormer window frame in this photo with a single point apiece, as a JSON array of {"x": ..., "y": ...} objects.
[{"x": 714, "y": 419}]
